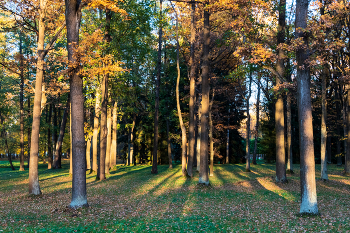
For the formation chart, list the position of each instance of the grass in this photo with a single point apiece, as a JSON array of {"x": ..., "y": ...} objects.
[{"x": 134, "y": 200}]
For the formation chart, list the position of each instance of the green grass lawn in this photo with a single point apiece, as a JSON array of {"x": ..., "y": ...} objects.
[{"x": 134, "y": 200}]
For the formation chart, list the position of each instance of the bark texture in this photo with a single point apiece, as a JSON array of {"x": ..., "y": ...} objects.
[
  {"x": 247, "y": 147},
  {"x": 113, "y": 159},
  {"x": 95, "y": 132},
  {"x": 21, "y": 113},
  {"x": 109, "y": 139},
  {"x": 103, "y": 130},
  {"x": 307, "y": 159},
  {"x": 257, "y": 123},
  {"x": 324, "y": 175}
]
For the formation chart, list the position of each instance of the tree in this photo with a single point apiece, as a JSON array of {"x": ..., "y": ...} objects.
[{"x": 307, "y": 163}]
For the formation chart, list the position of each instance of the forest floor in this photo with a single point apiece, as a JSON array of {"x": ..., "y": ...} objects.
[{"x": 131, "y": 199}]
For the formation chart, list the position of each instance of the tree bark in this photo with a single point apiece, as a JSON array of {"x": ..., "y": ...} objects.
[
  {"x": 103, "y": 130},
  {"x": 113, "y": 159},
  {"x": 211, "y": 143},
  {"x": 324, "y": 175},
  {"x": 247, "y": 146},
  {"x": 131, "y": 142},
  {"x": 95, "y": 132},
  {"x": 203, "y": 172},
  {"x": 58, "y": 154},
  {"x": 228, "y": 139},
  {"x": 169, "y": 143},
  {"x": 156, "y": 104},
  {"x": 28, "y": 132},
  {"x": 257, "y": 124},
  {"x": 109, "y": 139},
  {"x": 279, "y": 111},
  {"x": 49, "y": 144},
  {"x": 191, "y": 130},
  {"x": 347, "y": 155},
  {"x": 34, "y": 187},
  {"x": 307, "y": 159},
  {"x": 199, "y": 130},
  {"x": 73, "y": 17},
  {"x": 21, "y": 95},
  {"x": 8, "y": 152},
  {"x": 289, "y": 135}
]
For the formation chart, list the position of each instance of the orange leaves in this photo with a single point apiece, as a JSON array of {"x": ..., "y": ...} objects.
[{"x": 107, "y": 4}]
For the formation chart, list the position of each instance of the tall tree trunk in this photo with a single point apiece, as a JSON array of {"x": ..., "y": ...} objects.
[
  {"x": 347, "y": 155},
  {"x": 169, "y": 143},
  {"x": 289, "y": 135},
  {"x": 8, "y": 152},
  {"x": 113, "y": 159},
  {"x": 307, "y": 160},
  {"x": 28, "y": 132},
  {"x": 324, "y": 175},
  {"x": 88, "y": 153},
  {"x": 279, "y": 111},
  {"x": 211, "y": 142},
  {"x": 58, "y": 151},
  {"x": 199, "y": 130},
  {"x": 131, "y": 142},
  {"x": 103, "y": 130},
  {"x": 21, "y": 117},
  {"x": 156, "y": 105},
  {"x": 109, "y": 139},
  {"x": 95, "y": 132},
  {"x": 182, "y": 126},
  {"x": 257, "y": 123},
  {"x": 228, "y": 139},
  {"x": 73, "y": 17},
  {"x": 247, "y": 146},
  {"x": 54, "y": 135},
  {"x": 34, "y": 187},
  {"x": 191, "y": 130},
  {"x": 49, "y": 144},
  {"x": 339, "y": 127},
  {"x": 70, "y": 143},
  {"x": 203, "y": 172}
]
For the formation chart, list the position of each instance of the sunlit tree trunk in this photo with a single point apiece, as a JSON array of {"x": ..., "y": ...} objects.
[
  {"x": 211, "y": 142},
  {"x": 324, "y": 175},
  {"x": 21, "y": 113},
  {"x": 113, "y": 159},
  {"x": 58, "y": 151},
  {"x": 203, "y": 172},
  {"x": 34, "y": 187},
  {"x": 307, "y": 160},
  {"x": 49, "y": 147},
  {"x": 103, "y": 130},
  {"x": 257, "y": 123},
  {"x": 156, "y": 106},
  {"x": 191, "y": 130},
  {"x": 247, "y": 146},
  {"x": 279, "y": 111},
  {"x": 109, "y": 139},
  {"x": 79, "y": 198},
  {"x": 199, "y": 130},
  {"x": 95, "y": 132}
]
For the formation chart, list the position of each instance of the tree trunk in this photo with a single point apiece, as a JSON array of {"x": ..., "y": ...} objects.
[
  {"x": 88, "y": 153},
  {"x": 289, "y": 135},
  {"x": 49, "y": 144},
  {"x": 156, "y": 105},
  {"x": 191, "y": 130},
  {"x": 34, "y": 187},
  {"x": 339, "y": 127},
  {"x": 95, "y": 132},
  {"x": 21, "y": 117},
  {"x": 169, "y": 143},
  {"x": 58, "y": 154},
  {"x": 54, "y": 135},
  {"x": 211, "y": 142},
  {"x": 307, "y": 159},
  {"x": 103, "y": 130},
  {"x": 182, "y": 126},
  {"x": 8, "y": 152},
  {"x": 279, "y": 111},
  {"x": 324, "y": 175},
  {"x": 28, "y": 132},
  {"x": 131, "y": 142},
  {"x": 73, "y": 17},
  {"x": 257, "y": 124},
  {"x": 70, "y": 143},
  {"x": 247, "y": 147},
  {"x": 113, "y": 159},
  {"x": 347, "y": 156},
  {"x": 199, "y": 130},
  {"x": 228, "y": 139},
  {"x": 203, "y": 172},
  {"x": 109, "y": 139}
]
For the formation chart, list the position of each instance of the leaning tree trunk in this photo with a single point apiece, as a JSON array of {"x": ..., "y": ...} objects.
[
  {"x": 279, "y": 111},
  {"x": 182, "y": 126},
  {"x": 21, "y": 117},
  {"x": 324, "y": 175},
  {"x": 58, "y": 154},
  {"x": 247, "y": 146},
  {"x": 95, "y": 132},
  {"x": 34, "y": 187},
  {"x": 191, "y": 130},
  {"x": 156, "y": 105},
  {"x": 203, "y": 172},
  {"x": 307, "y": 159},
  {"x": 113, "y": 154},
  {"x": 257, "y": 124},
  {"x": 103, "y": 130},
  {"x": 73, "y": 17}
]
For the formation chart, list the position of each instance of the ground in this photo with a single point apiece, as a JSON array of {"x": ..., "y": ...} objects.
[{"x": 131, "y": 199}]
